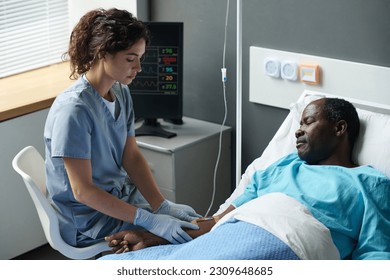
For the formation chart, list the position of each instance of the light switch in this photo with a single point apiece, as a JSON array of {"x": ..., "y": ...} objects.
[
  {"x": 289, "y": 70},
  {"x": 272, "y": 67},
  {"x": 310, "y": 74}
]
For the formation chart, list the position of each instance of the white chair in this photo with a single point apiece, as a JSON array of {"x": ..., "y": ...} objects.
[{"x": 31, "y": 166}]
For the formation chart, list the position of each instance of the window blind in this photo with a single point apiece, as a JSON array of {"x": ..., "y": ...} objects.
[{"x": 33, "y": 34}]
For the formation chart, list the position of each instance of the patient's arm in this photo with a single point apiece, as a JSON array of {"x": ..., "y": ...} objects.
[{"x": 132, "y": 240}]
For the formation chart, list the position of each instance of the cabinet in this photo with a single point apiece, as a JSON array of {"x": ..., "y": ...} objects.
[{"x": 184, "y": 165}]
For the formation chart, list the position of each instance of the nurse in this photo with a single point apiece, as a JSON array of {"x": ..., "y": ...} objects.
[{"x": 97, "y": 178}]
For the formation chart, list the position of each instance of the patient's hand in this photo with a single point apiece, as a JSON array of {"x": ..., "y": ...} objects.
[
  {"x": 205, "y": 225},
  {"x": 132, "y": 240}
]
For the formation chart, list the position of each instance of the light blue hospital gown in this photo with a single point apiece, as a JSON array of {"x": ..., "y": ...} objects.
[
  {"x": 354, "y": 203},
  {"x": 80, "y": 125}
]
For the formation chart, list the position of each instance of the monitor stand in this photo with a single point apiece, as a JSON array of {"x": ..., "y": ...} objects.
[
  {"x": 151, "y": 127},
  {"x": 178, "y": 121}
]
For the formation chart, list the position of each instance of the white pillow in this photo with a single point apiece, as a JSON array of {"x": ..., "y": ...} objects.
[
  {"x": 371, "y": 148},
  {"x": 291, "y": 222},
  {"x": 373, "y": 145}
]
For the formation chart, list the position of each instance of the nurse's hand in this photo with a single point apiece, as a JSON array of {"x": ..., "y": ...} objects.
[
  {"x": 180, "y": 211},
  {"x": 164, "y": 226}
]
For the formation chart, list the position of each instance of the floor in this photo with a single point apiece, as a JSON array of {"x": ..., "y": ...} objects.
[{"x": 44, "y": 252}]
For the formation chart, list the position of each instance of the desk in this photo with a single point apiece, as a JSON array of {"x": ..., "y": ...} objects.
[
  {"x": 33, "y": 90},
  {"x": 184, "y": 165}
]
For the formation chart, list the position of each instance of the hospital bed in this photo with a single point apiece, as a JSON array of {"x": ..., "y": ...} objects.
[{"x": 272, "y": 226}]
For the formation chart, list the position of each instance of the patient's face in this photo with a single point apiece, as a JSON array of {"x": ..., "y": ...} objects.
[{"x": 316, "y": 138}]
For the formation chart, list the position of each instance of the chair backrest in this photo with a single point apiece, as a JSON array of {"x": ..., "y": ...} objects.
[{"x": 31, "y": 167}]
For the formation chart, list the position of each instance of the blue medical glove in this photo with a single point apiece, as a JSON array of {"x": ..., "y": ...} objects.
[
  {"x": 180, "y": 211},
  {"x": 164, "y": 226}
]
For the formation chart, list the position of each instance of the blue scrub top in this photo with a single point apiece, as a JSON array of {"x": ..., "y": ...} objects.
[
  {"x": 79, "y": 125},
  {"x": 354, "y": 203}
]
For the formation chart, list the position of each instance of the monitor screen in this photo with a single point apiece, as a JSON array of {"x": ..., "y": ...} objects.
[{"x": 157, "y": 91}]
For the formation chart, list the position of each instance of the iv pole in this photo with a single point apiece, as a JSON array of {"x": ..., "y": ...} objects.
[{"x": 238, "y": 91}]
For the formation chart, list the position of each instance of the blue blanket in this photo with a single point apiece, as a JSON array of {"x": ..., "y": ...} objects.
[{"x": 235, "y": 240}]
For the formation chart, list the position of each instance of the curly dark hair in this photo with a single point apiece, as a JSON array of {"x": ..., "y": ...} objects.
[
  {"x": 102, "y": 31},
  {"x": 336, "y": 109}
]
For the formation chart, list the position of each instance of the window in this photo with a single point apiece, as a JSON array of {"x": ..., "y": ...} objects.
[{"x": 33, "y": 34}]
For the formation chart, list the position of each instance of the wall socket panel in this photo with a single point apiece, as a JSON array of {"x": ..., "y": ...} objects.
[{"x": 338, "y": 77}]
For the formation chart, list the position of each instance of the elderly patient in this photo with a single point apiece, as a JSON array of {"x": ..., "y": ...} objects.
[{"x": 351, "y": 201}]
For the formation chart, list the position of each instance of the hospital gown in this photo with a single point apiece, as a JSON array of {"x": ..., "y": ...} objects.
[
  {"x": 354, "y": 203},
  {"x": 80, "y": 125}
]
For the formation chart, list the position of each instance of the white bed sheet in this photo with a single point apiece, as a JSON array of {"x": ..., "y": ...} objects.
[{"x": 291, "y": 222}]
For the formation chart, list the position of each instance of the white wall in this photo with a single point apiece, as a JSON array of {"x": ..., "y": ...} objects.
[
  {"x": 78, "y": 8},
  {"x": 20, "y": 228}
]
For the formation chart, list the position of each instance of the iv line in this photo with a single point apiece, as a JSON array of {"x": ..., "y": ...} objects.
[{"x": 224, "y": 79}]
